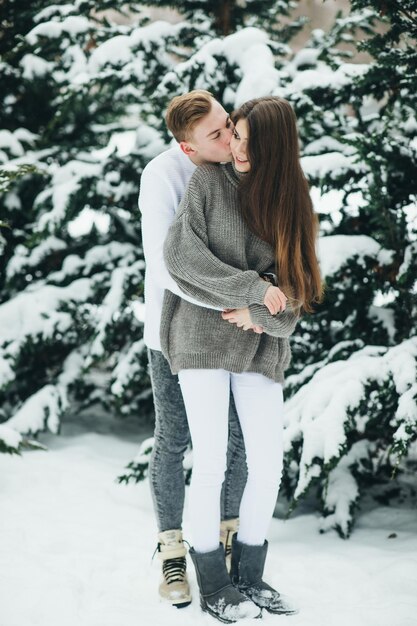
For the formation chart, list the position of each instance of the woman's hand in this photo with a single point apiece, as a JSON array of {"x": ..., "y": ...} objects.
[
  {"x": 275, "y": 300},
  {"x": 242, "y": 319}
]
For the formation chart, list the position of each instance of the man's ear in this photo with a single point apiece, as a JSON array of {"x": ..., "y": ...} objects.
[{"x": 187, "y": 148}]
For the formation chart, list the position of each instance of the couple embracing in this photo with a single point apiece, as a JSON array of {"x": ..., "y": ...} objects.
[{"x": 229, "y": 236}]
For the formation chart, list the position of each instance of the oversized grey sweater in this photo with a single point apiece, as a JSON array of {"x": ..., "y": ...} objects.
[{"x": 214, "y": 257}]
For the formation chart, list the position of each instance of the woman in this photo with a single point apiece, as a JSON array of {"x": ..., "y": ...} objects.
[{"x": 237, "y": 221}]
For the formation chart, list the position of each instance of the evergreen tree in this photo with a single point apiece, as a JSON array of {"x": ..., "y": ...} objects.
[
  {"x": 353, "y": 412},
  {"x": 232, "y": 49},
  {"x": 74, "y": 101},
  {"x": 224, "y": 17}
]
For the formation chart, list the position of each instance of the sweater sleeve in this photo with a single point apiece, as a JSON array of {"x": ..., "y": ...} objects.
[
  {"x": 280, "y": 325},
  {"x": 194, "y": 267}
]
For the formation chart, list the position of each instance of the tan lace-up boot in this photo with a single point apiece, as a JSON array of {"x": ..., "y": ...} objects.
[
  {"x": 174, "y": 586},
  {"x": 228, "y": 528}
]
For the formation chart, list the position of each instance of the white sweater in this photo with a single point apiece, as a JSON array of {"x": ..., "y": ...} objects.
[{"x": 162, "y": 186}]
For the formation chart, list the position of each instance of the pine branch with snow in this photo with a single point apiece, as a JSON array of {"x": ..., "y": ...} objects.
[
  {"x": 352, "y": 417},
  {"x": 12, "y": 442},
  {"x": 72, "y": 265},
  {"x": 138, "y": 468},
  {"x": 220, "y": 19},
  {"x": 359, "y": 134}
]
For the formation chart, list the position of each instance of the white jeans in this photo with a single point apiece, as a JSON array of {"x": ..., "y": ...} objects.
[{"x": 259, "y": 404}]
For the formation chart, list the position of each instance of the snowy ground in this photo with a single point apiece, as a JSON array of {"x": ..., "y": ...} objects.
[{"x": 76, "y": 548}]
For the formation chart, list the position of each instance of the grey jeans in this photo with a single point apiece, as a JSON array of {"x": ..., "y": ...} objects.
[{"x": 172, "y": 437}]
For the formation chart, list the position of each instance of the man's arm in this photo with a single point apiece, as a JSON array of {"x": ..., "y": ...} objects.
[{"x": 157, "y": 205}]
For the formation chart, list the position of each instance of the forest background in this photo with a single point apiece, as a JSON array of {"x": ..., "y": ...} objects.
[{"x": 84, "y": 90}]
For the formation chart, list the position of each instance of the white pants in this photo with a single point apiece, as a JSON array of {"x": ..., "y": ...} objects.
[{"x": 259, "y": 404}]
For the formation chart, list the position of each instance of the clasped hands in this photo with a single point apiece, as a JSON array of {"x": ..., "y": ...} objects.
[{"x": 275, "y": 301}]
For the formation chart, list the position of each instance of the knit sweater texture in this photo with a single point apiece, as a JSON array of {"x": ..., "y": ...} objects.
[{"x": 214, "y": 257}]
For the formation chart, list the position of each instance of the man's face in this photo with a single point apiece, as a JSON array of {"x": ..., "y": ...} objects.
[{"x": 210, "y": 140}]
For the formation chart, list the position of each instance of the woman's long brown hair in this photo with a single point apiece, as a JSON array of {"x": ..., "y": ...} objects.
[{"x": 275, "y": 198}]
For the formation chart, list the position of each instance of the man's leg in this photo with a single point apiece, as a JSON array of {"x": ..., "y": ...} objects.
[
  {"x": 234, "y": 482},
  {"x": 166, "y": 475}
]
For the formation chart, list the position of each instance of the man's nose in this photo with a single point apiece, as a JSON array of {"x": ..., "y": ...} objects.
[{"x": 228, "y": 136}]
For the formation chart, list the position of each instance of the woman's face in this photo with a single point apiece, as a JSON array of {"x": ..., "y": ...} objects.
[{"x": 238, "y": 146}]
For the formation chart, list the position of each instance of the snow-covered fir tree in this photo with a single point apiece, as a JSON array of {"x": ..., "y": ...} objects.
[
  {"x": 353, "y": 411},
  {"x": 73, "y": 141},
  {"x": 83, "y": 105}
]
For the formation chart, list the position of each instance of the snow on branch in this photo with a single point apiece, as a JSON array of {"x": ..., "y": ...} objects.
[
  {"x": 35, "y": 313},
  {"x": 335, "y": 250},
  {"x": 112, "y": 304},
  {"x": 43, "y": 409},
  {"x": 343, "y": 404},
  {"x": 65, "y": 182},
  {"x": 126, "y": 368},
  {"x": 247, "y": 51},
  {"x": 10, "y": 440},
  {"x": 73, "y": 25},
  {"x": 23, "y": 259}
]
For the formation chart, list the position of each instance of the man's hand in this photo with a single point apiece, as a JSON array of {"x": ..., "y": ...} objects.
[
  {"x": 257, "y": 329},
  {"x": 242, "y": 319},
  {"x": 275, "y": 300}
]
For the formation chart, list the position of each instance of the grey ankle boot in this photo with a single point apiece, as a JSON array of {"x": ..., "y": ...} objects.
[
  {"x": 217, "y": 594},
  {"x": 246, "y": 572}
]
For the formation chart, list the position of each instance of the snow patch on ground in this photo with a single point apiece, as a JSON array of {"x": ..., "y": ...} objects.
[{"x": 71, "y": 537}]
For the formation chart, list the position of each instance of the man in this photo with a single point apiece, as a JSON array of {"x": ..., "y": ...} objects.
[{"x": 203, "y": 130}]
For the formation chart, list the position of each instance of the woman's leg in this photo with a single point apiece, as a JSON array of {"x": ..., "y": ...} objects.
[
  {"x": 206, "y": 396},
  {"x": 259, "y": 403}
]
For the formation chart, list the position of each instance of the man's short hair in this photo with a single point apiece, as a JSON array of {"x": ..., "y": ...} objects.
[{"x": 185, "y": 111}]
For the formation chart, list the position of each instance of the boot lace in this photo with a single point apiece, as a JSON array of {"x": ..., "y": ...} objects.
[
  {"x": 228, "y": 543},
  {"x": 174, "y": 569}
]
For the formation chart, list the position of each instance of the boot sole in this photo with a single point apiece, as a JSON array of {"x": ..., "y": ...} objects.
[
  {"x": 265, "y": 608},
  {"x": 206, "y": 609},
  {"x": 278, "y": 612},
  {"x": 182, "y": 605}
]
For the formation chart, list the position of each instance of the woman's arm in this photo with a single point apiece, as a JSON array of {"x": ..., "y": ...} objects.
[
  {"x": 194, "y": 267},
  {"x": 280, "y": 325}
]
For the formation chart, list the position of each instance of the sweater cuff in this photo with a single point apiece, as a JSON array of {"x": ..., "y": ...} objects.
[
  {"x": 280, "y": 325},
  {"x": 257, "y": 291},
  {"x": 259, "y": 315}
]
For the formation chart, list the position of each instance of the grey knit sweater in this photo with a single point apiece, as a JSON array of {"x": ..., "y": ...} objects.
[{"x": 215, "y": 258}]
